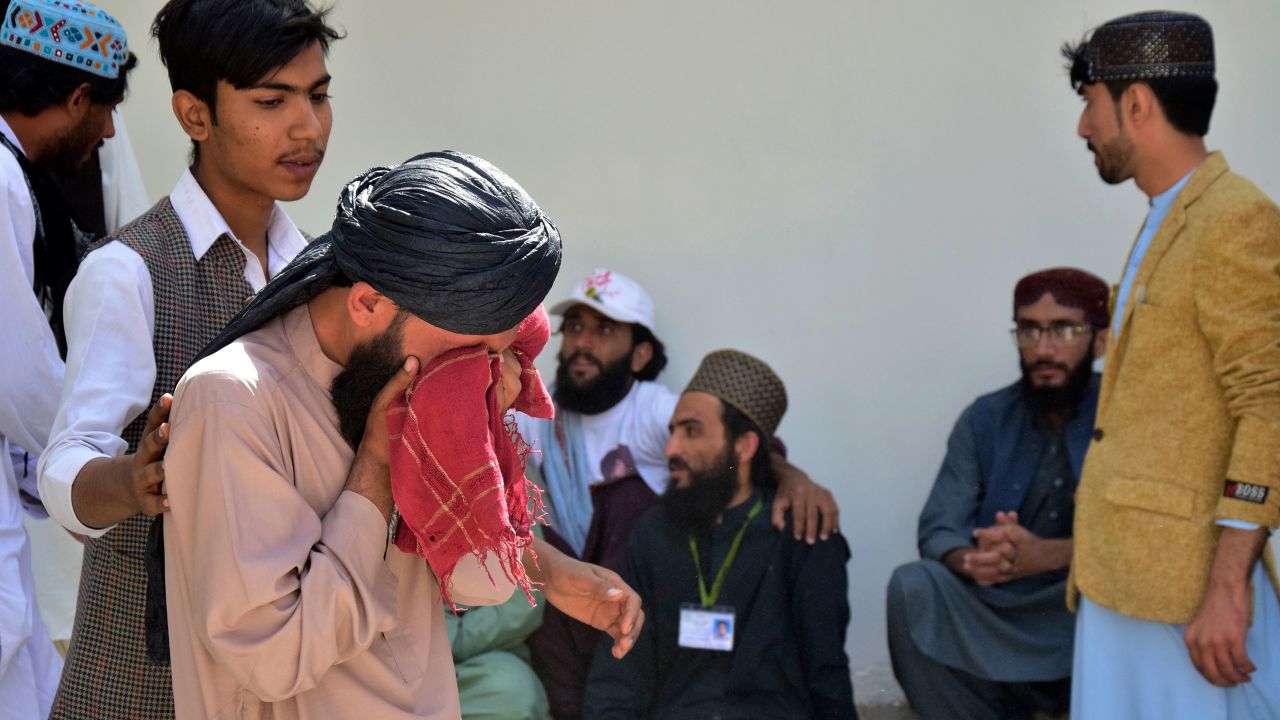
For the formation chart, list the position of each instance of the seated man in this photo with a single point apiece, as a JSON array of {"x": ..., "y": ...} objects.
[
  {"x": 979, "y": 627},
  {"x": 602, "y": 458},
  {"x": 491, "y": 660},
  {"x": 744, "y": 620}
]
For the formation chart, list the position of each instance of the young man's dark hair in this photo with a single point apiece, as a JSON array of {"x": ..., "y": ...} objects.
[
  {"x": 239, "y": 41},
  {"x": 30, "y": 83}
]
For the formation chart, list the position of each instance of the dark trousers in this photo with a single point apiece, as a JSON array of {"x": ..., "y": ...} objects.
[{"x": 940, "y": 692}]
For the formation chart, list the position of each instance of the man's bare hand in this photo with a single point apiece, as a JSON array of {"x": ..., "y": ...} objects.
[
  {"x": 814, "y": 513},
  {"x": 990, "y": 565},
  {"x": 374, "y": 445},
  {"x": 509, "y": 384},
  {"x": 146, "y": 477},
  {"x": 1026, "y": 553},
  {"x": 1216, "y": 636},
  {"x": 370, "y": 473},
  {"x": 589, "y": 594}
]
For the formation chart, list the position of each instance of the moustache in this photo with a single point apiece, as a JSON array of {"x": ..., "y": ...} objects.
[
  {"x": 676, "y": 463},
  {"x": 313, "y": 153},
  {"x": 1050, "y": 365},
  {"x": 584, "y": 355}
]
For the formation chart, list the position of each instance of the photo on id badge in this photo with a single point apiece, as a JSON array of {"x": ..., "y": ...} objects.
[{"x": 706, "y": 628}]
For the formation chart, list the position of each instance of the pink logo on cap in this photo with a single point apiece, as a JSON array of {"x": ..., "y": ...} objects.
[{"x": 596, "y": 286}]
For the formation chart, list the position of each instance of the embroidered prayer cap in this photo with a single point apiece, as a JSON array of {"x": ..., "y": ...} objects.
[
  {"x": 613, "y": 295},
  {"x": 1068, "y": 286},
  {"x": 76, "y": 34},
  {"x": 1147, "y": 46},
  {"x": 744, "y": 382}
]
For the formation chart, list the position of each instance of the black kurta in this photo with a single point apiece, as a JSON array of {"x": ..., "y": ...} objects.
[{"x": 791, "y": 603}]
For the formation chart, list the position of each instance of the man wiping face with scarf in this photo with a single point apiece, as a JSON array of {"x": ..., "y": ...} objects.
[{"x": 338, "y": 455}]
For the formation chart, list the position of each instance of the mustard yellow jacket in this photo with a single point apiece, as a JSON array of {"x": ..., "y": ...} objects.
[{"x": 1188, "y": 424}]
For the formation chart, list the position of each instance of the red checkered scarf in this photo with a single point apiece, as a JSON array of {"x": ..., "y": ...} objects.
[{"x": 457, "y": 467}]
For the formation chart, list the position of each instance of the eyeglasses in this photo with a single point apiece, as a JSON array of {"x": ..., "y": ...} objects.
[{"x": 1058, "y": 333}]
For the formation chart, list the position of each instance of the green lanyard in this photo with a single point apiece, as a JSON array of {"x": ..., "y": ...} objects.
[{"x": 709, "y": 598}]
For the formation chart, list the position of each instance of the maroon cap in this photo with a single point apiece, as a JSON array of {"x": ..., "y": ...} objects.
[{"x": 1068, "y": 286}]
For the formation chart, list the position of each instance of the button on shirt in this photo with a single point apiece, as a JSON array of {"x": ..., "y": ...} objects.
[{"x": 110, "y": 321}]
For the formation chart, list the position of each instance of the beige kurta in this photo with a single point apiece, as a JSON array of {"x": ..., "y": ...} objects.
[{"x": 281, "y": 603}]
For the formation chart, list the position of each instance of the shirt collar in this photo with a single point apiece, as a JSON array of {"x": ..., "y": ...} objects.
[
  {"x": 204, "y": 224},
  {"x": 1165, "y": 199},
  {"x": 11, "y": 135}
]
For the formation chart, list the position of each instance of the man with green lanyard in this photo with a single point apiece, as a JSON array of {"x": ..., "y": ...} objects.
[{"x": 766, "y": 638}]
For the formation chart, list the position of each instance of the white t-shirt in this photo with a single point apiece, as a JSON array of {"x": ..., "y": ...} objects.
[{"x": 628, "y": 438}]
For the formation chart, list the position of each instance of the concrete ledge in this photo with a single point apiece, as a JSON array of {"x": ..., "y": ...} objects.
[{"x": 878, "y": 696}]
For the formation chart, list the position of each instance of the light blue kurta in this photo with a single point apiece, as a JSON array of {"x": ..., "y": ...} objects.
[{"x": 1129, "y": 669}]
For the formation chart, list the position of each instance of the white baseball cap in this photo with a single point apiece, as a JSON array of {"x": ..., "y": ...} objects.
[{"x": 613, "y": 295}]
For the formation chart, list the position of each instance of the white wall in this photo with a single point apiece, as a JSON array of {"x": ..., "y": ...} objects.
[{"x": 847, "y": 189}]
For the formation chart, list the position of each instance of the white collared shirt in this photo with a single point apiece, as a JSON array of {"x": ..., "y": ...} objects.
[
  {"x": 110, "y": 321},
  {"x": 30, "y": 369},
  {"x": 30, "y": 376}
]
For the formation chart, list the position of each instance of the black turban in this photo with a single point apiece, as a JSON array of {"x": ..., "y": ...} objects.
[{"x": 447, "y": 236}]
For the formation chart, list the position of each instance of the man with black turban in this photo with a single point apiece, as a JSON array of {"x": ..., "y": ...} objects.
[
  {"x": 978, "y": 627},
  {"x": 294, "y": 589},
  {"x": 1177, "y": 618}
]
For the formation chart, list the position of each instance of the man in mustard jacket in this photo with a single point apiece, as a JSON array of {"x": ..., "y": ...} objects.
[{"x": 1177, "y": 617}]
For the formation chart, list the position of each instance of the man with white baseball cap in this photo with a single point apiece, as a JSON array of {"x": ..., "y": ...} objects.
[{"x": 602, "y": 458}]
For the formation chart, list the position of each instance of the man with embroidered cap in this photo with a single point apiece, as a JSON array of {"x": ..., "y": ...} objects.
[
  {"x": 743, "y": 619},
  {"x": 249, "y": 87},
  {"x": 601, "y": 458},
  {"x": 327, "y": 495},
  {"x": 979, "y": 627},
  {"x": 1177, "y": 611},
  {"x": 65, "y": 67}
]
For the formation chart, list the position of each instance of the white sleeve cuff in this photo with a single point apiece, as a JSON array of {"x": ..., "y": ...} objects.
[
  {"x": 58, "y": 471},
  {"x": 1238, "y": 524}
]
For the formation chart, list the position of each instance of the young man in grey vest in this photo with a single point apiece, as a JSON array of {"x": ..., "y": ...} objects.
[{"x": 250, "y": 90}]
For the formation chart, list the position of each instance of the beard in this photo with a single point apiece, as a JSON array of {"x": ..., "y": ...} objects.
[
  {"x": 594, "y": 396},
  {"x": 694, "y": 508},
  {"x": 1063, "y": 399},
  {"x": 67, "y": 153},
  {"x": 1114, "y": 158},
  {"x": 368, "y": 370}
]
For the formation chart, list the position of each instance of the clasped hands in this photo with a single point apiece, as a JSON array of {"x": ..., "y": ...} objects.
[{"x": 1008, "y": 551}]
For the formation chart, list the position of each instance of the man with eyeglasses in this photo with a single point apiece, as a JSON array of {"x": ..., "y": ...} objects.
[{"x": 979, "y": 628}]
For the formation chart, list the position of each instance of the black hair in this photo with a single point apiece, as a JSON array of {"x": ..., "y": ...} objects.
[
  {"x": 735, "y": 426},
  {"x": 651, "y": 370},
  {"x": 1187, "y": 102},
  {"x": 239, "y": 41},
  {"x": 30, "y": 84}
]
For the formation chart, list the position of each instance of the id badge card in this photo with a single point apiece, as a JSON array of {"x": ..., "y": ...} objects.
[{"x": 706, "y": 628}]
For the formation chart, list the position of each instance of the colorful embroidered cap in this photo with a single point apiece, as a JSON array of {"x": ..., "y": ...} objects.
[
  {"x": 744, "y": 382},
  {"x": 612, "y": 295},
  {"x": 1147, "y": 46},
  {"x": 76, "y": 34}
]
